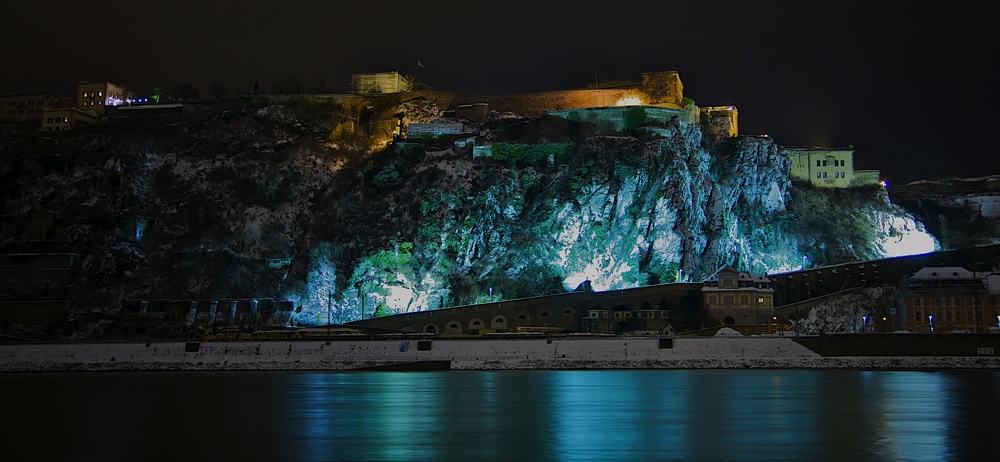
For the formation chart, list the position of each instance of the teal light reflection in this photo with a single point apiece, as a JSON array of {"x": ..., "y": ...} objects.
[
  {"x": 914, "y": 414},
  {"x": 605, "y": 415}
]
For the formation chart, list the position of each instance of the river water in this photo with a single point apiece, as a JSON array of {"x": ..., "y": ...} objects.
[{"x": 710, "y": 415}]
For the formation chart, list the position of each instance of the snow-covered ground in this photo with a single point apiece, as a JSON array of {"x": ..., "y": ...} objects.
[{"x": 559, "y": 353}]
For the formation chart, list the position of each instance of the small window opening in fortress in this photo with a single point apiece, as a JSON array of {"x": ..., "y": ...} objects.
[
  {"x": 544, "y": 314},
  {"x": 522, "y": 317},
  {"x": 567, "y": 311}
]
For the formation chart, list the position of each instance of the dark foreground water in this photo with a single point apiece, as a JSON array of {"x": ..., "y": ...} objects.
[{"x": 706, "y": 415}]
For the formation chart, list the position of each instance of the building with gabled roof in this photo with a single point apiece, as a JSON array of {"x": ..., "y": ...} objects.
[
  {"x": 740, "y": 298},
  {"x": 951, "y": 299}
]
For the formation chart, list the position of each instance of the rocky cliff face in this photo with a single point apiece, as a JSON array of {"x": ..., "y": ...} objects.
[{"x": 257, "y": 203}]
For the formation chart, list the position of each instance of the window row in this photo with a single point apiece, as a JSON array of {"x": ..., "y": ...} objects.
[
  {"x": 835, "y": 174},
  {"x": 946, "y": 316},
  {"x": 57, "y": 120},
  {"x": 730, "y": 299},
  {"x": 30, "y": 102},
  {"x": 948, "y": 302},
  {"x": 91, "y": 94},
  {"x": 835, "y": 163}
]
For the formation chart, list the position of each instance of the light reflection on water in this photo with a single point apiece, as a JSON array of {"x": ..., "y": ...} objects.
[{"x": 511, "y": 415}]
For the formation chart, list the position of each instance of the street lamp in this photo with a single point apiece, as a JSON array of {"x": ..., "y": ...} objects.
[
  {"x": 930, "y": 320},
  {"x": 884, "y": 329},
  {"x": 865, "y": 324}
]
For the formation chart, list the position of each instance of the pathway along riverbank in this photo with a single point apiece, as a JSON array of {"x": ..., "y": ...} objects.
[{"x": 864, "y": 352}]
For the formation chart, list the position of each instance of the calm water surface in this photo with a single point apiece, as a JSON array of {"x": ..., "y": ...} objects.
[{"x": 708, "y": 415}]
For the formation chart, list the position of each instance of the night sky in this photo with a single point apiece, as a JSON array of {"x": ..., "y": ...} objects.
[{"x": 912, "y": 85}]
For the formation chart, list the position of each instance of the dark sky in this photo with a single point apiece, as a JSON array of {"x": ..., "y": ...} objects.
[{"x": 912, "y": 85}]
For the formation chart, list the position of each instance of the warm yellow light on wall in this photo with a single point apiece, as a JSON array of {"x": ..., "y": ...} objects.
[{"x": 630, "y": 100}]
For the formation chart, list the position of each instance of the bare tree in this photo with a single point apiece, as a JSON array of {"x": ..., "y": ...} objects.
[
  {"x": 217, "y": 89},
  {"x": 186, "y": 91},
  {"x": 320, "y": 85},
  {"x": 285, "y": 86}
]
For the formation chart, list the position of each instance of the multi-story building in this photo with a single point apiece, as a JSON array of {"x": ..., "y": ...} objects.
[
  {"x": 950, "y": 298},
  {"x": 98, "y": 95},
  {"x": 23, "y": 108},
  {"x": 828, "y": 167},
  {"x": 67, "y": 118},
  {"x": 740, "y": 298}
]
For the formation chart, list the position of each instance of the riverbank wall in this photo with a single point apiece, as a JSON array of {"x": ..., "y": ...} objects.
[{"x": 459, "y": 354}]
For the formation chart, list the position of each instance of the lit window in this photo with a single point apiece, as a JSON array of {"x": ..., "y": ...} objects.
[
  {"x": 824, "y": 174},
  {"x": 819, "y": 175},
  {"x": 100, "y": 93},
  {"x": 84, "y": 94},
  {"x": 843, "y": 175},
  {"x": 66, "y": 119},
  {"x": 836, "y": 174}
]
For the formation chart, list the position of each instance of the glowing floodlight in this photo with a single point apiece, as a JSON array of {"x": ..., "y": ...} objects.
[{"x": 629, "y": 101}]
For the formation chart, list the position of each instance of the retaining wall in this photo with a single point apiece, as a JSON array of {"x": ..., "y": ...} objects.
[{"x": 558, "y": 353}]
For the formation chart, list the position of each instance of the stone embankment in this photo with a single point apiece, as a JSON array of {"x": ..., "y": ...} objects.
[{"x": 464, "y": 354}]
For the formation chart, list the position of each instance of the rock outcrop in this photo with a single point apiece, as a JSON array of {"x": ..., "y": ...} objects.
[{"x": 257, "y": 203}]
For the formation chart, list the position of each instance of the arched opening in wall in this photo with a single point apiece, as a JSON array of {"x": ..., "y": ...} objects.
[
  {"x": 568, "y": 317},
  {"x": 498, "y": 322},
  {"x": 729, "y": 320},
  {"x": 544, "y": 316},
  {"x": 621, "y": 315},
  {"x": 453, "y": 328},
  {"x": 476, "y": 324},
  {"x": 430, "y": 329},
  {"x": 523, "y": 319},
  {"x": 664, "y": 304}
]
